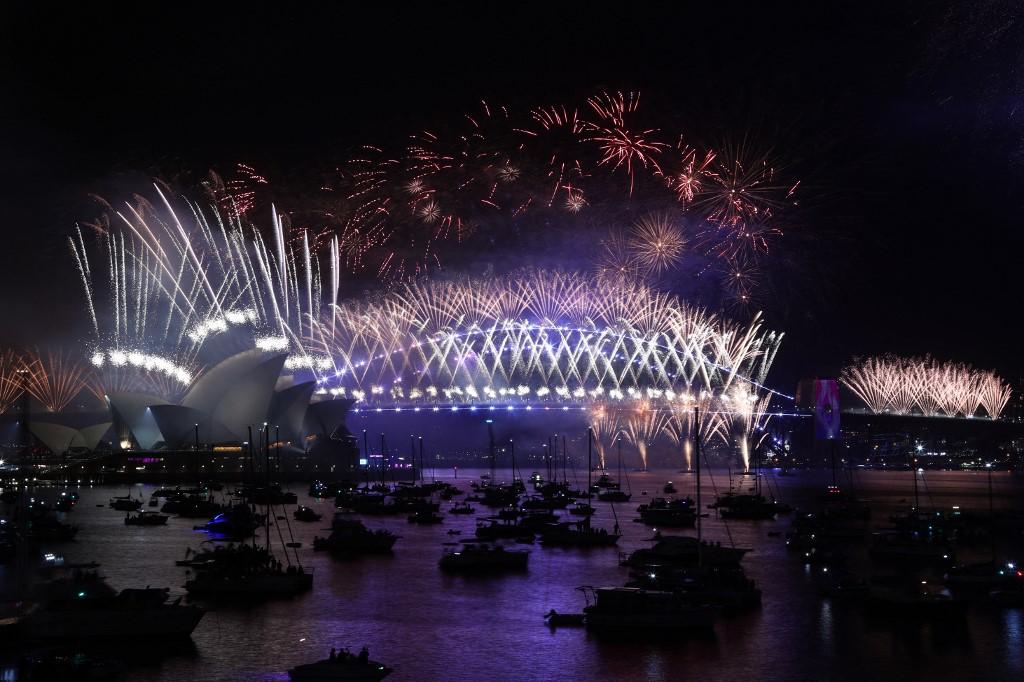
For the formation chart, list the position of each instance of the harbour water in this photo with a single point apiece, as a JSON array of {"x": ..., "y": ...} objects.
[{"x": 431, "y": 626}]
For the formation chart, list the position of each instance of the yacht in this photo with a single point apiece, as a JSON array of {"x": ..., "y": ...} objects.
[
  {"x": 631, "y": 608},
  {"x": 349, "y": 537},
  {"x": 84, "y": 606},
  {"x": 484, "y": 558},
  {"x": 146, "y": 518}
]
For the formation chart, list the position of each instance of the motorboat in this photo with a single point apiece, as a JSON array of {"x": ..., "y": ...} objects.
[
  {"x": 484, "y": 558},
  {"x": 84, "y": 606},
  {"x": 631, "y": 609},
  {"x": 349, "y": 537},
  {"x": 146, "y": 518},
  {"x": 303, "y": 513}
]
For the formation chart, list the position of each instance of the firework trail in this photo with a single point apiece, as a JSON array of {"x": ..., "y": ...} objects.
[
  {"x": 177, "y": 277},
  {"x": 925, "y": 386},
  {"x": 604, "y": 420},
  {"x": 537, "y": 336},
  {"x": 54, "y": 378},
  {"x": 12, "y": 384},
  {"x": 643, "y": 426}
]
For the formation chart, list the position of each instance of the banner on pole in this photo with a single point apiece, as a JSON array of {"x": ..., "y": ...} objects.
[{"x": 826, "y": 409}]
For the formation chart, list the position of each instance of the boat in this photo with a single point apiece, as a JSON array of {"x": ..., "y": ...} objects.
[
  {"x": 582, "y": 509},
  {"x": 303, "y": 513},
  {"x": 550, "y": 503},
  {"x": 125, "y": 503},
  {"x": 349, "y": 537},
  {"x": 329, "y": 488},
  {"x": 494, "y": 528},
  {"x": 146, "y": 518},
  {"x": 191, "y": 506},
  {"x": 340, "y": 667},
  {"x": 84, "y": 606},
  {"x": 484, "y": 558},
  {"x": 214, "y": 584},
  {"x": 65, "y": 503},
  {"x": 43, "y": 527},
  {"x": 632, "y": 608},
  {"x": 727, "y": 588},
  {"x": 669, "y": 489},
  {"x": 681, "y": 550},
  {"x": 746, "y": 506},
  {"x": 267, "y": 494},
  {"x": 461, "y": 508},
  {"x": 555, "y": 619},
  {"x": 679, "y": 513},
  {"x": 237, "y": 521},
  {"x": 989, "y": 575},
  {"x": 846, "y": 587},
  {"x": 424, "y": 518},
  {"x": 908, "y": 547},
  {"x": 1012, "y": 598},
  {"x": 246, "y": 572},
  {"x": 919, "y": 599},
  {"x": 579, "y": 534}
]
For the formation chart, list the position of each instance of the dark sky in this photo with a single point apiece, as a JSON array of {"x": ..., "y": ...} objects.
[{"x": 903, "y": 122}]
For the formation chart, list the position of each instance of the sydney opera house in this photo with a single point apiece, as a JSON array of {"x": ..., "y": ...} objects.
[{"x": 230, "y": 403}]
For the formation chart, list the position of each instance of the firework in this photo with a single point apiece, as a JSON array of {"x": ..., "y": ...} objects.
[
  {"x": 604, "y": 420},
  {"x": 536, "y": 335},
  {"x": 656, "y": 244},
  {"x": 12, "y": 366},
  {"x": 744, "y": 418},
  {"x": 643, "y": 426},
  {"x": 621, "y": 146},
  {"x": 176, "y": 277},
  {"x": 54, "y": 378},
  {"x": 925, "y": 386}
]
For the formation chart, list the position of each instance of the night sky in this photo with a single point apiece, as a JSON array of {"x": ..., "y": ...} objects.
[{"x": 902, "y": 122}]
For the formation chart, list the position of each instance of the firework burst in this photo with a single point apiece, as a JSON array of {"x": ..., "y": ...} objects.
[
  {"x": 54, "y": 378},
  {"x": 656, "y": 243}
]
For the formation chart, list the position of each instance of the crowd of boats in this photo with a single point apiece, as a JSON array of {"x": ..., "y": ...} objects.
[{"x": 680, "y": 582}]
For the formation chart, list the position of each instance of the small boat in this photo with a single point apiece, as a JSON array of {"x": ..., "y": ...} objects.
[
  {"x": 146, "y": 518},
  {"x": 1008, "y": 598},
  {"x": 669, "y": 489},
  {"x": 238, "y": 521},
  {"x": 916, "y": 600},
  {"x": 678, "y": 513},
  {"x": 847, "y": 586},
  {"x": 306, "y": 514},
  {"x": 425, "y": 518},
  {"x": 65, "y": 502},
  {"x": 484, "y": 558},
  {"x": 461, "y": 508},
  {"x": 581, "y": 509},
  {"x": 339, "y": 667},
  {"x": 555, "y": 619},
  {"x": 125, "y": 503},
  {"x": 43, "y": 527}
]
